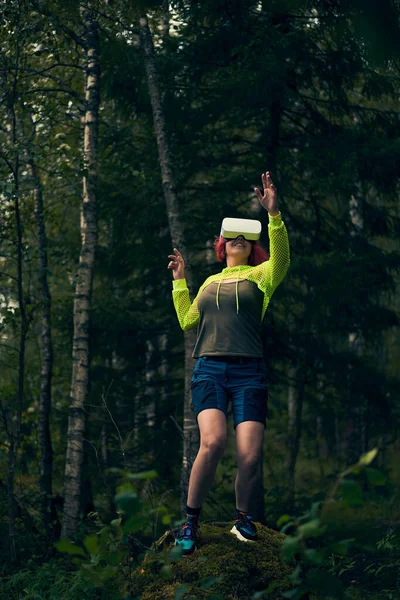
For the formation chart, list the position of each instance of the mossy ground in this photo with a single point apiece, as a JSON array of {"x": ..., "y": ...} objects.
[{"x": 241, "y": 568}]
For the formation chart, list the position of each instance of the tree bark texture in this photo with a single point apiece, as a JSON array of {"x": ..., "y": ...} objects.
[
  {"x": 46, "y": 351},
  {"x": 190, "y": 427},
  {"x": 84, "y": 278},
  {"x": 15, "y": 432},
  {"x": 357, "y": 407},
  {"x": 13, "y": 425},
  {"x": 14, "y": 428},
  {"x": 295, "y": 405}
]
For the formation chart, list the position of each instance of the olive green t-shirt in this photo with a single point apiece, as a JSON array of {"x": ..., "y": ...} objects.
[{"x": 230, "y": 320}]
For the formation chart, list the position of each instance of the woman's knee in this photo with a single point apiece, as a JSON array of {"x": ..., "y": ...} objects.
[
  {"x": 214, "y": 445},
  {"x": 213, "y": 432},
  {"x": 249, "y": 461}
]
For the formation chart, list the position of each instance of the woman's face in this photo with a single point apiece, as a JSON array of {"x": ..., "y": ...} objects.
[{"x": 238, "y": 248}]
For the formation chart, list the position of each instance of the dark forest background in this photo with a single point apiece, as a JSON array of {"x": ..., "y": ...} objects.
[{"x": 126, "y": 127}]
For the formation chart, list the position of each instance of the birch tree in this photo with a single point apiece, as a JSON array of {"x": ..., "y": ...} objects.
[
  {"x": 46, "y": 348},
  {"x": 190, "y": 428},
  {"x": 84, "y": 278}
]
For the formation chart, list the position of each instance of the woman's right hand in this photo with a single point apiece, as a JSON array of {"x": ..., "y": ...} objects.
[{"x": 177, "y": 265}]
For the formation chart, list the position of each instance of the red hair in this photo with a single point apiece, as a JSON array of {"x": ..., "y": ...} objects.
[{"x": 258, "y": 254}]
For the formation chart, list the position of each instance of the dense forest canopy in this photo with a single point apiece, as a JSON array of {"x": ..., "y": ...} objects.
[{"x": 130, "y": 127}]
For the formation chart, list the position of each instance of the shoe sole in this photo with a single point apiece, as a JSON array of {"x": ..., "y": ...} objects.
[{"x": 239, "y": 535}]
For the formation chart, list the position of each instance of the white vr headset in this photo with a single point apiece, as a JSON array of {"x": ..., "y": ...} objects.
[{"x": 231, "y": 228}]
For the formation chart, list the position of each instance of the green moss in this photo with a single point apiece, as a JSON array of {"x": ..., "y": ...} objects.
[{"x": 242, "y": 568}]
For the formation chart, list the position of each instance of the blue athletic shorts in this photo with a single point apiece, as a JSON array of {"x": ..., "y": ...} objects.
[{"x": 243, "y": 381}]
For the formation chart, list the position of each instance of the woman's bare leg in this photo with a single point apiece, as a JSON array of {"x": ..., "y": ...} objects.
[
  {"x": 213, "y": 436},
  {"x": 249, "y": 443}
]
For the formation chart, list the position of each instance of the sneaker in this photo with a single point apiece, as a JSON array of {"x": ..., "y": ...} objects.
[
  {"x": 186, "y": 536},
  {"x": 244, "y": 528}
]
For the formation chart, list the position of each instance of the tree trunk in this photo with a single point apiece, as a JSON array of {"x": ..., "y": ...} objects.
[
  {"x": 357, "y": 408},
  {"x": 165, "y": 20},
  {"x": 13, "y": 425},
  {"x": 190, "y": 428},
  {"x": 163, "y": 368},
  {"x": 46, "y": 350},
  {"x": 83, "y": 289},
  {"x": 14, "y": 430},
  {"x": 295, "y": 405}
]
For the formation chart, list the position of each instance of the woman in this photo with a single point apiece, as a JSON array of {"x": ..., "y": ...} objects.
[{"x": 228, "y": 311}]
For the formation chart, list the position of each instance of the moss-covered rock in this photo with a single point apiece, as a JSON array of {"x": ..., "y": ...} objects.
[{"x": 231, "y": 568}]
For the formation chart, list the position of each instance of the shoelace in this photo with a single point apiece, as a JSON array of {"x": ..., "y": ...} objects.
[
  {"x": 243, "y": 517},
  {"x": 188, "y": 526}
]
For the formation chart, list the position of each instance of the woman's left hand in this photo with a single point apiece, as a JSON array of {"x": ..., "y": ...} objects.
[{"x": 269, "y": 200}]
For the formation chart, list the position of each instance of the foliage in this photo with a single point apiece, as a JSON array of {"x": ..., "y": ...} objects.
[
  {"x": 54, "y": 579},
  {"x": 322, "y": 545},
  {"x": 304, "y": 89}
]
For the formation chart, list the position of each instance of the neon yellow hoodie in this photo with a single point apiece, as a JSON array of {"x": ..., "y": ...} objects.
[{"x": 268, "y": 275}]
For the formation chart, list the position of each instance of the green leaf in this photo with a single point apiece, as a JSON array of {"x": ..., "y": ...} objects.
[
  {"x": 117, "y": 471},
  {"x": 68, "y": 547},
  {"x": 180, "y": 591},
  {"x": 375, "y": 477},
  {"x": 294, "y": 575},
  {"x": 295, "y": 594},
  {"x": 282, "y": 520},
  {"x": 314, "y": 556},
  {"x": 166, "y": 571},
  {"x": 128, "y": 501},
  {"x": 341, "y": 547},
  {"x": 134, "y": 523},
  {"x": 116, "y": 522},
  {"x": 99, "y": 574},
  {"x": 175, "y": 553},
  {"x": 351, "y": 493},
  {"x": 272, "y": 586},
  {"x": 208, "y": 582},
  {"x": 290, "y": 547},
  {"x": 288, "y": 525},
  {"x": 113, "y": 558},
  {"x": 91, "y": 543},
  {"x": 315, "y": 508},
  {"x": 311, "y": 529},
  {"x": 368, "y": 457},
  {"x": 144, "y": 475}
]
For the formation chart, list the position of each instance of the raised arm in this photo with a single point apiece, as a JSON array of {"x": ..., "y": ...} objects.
[
  {"x": 187, "y": 312},
  {"x": 274, "y": 270},
  {"x": 277, "y": 265}
]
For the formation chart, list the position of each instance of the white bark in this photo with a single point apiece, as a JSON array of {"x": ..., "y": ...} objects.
[{"x": 83, "y": 289}]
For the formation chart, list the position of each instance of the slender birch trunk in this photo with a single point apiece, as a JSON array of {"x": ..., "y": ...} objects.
[
  {"x": 14, "y": 430},
  {"x": 13, "y": 426},
  {"x": 46, "y": 349},
  {"x": 83, "y": 289},
  {"x": 190, "y": 428}
]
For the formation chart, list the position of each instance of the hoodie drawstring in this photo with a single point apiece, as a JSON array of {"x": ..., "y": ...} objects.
[
  {"x": 237, "y": 294},
  {"x": 219, "y": 285}
]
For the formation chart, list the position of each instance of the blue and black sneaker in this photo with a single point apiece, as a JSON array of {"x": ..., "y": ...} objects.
[
  {"x": 244, "y": 527},
  {"x": 186, "y": 535}
]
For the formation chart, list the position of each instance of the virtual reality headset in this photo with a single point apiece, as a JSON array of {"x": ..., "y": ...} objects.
[{"x": 231, "y": 228}]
